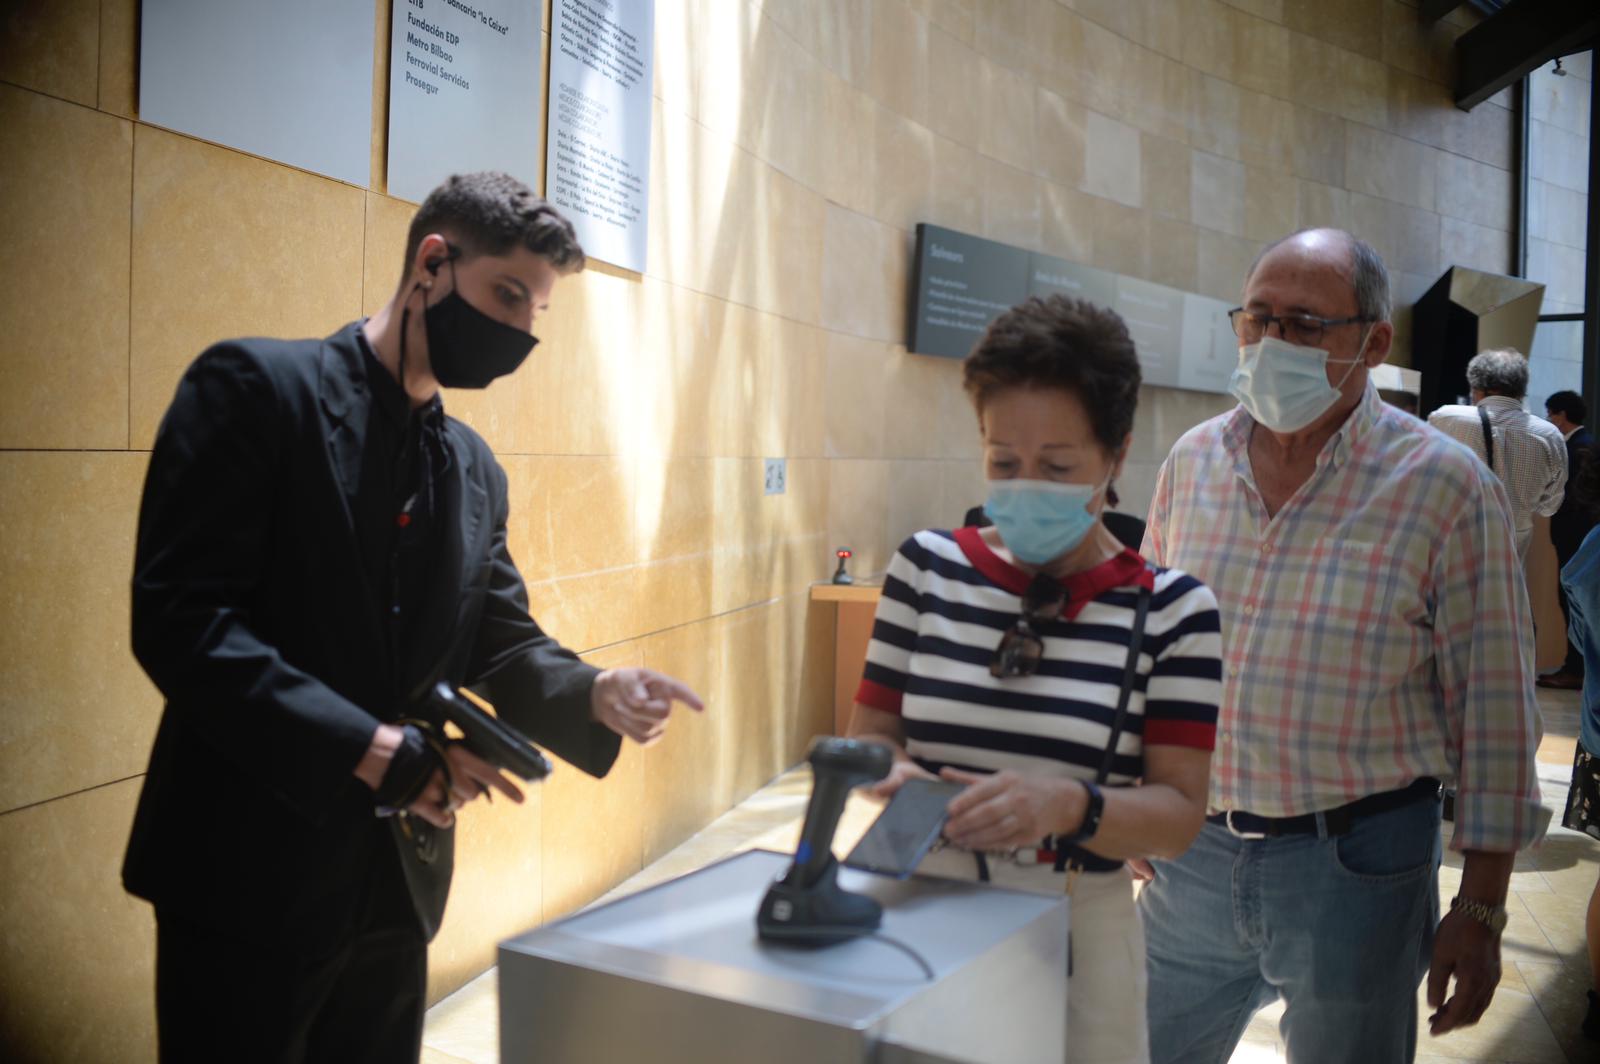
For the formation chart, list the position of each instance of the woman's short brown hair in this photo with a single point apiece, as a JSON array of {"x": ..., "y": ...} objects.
[{"x": 1060, "y": 342}]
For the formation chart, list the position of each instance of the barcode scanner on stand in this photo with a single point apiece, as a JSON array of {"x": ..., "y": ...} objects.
[{"x": 806, "y": 905}]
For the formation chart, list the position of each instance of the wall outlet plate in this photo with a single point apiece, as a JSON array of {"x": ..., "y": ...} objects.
[{"x": 776, "y": 476}]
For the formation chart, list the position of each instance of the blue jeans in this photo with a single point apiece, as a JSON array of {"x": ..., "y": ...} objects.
[{"x": 1340, "y": 928}]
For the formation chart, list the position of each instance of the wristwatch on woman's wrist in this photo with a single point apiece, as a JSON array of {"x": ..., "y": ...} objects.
[
  {"x": 1491, "y": 916},
  {"x": 1091, "y": 815}
]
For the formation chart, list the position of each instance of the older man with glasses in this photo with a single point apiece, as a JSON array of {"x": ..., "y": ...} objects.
[{"x": 1376, "y": 644}]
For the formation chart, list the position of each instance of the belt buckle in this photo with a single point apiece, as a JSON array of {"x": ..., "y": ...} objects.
[{"x": 1228, "y": 820}]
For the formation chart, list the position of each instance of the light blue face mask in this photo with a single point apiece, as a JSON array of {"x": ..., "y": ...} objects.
[
  {"x": 1285, "y": 386},
  {"x": 1040, "y": 520}
]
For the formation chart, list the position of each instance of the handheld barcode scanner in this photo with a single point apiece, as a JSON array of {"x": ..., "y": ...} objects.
[{"x": 806, "y": 904}]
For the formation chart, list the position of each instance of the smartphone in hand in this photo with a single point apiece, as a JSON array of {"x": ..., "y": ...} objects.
[{"x": 906, "y": 829}]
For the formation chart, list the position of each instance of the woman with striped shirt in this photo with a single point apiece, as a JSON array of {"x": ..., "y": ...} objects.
[{"x": 999, "y": 656}]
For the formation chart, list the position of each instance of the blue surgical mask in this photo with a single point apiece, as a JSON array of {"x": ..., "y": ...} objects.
[
  {"x": 1285, "y": 386},
  {"x": 1040, "y": 520}
]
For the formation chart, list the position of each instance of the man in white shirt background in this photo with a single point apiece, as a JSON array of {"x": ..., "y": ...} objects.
[{"x": 1528, "y": 453}]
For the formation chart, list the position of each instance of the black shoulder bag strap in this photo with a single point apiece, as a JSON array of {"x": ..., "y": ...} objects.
[
  {"x": 1141, "y": 609},
  {"x": 1135, "y": 642},
  {"x": 1130, "y": 670},
  {"x": 1488, "y": 438}
]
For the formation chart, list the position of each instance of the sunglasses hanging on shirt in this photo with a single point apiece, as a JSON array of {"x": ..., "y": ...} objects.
[{"x": 1021, "y": 648}]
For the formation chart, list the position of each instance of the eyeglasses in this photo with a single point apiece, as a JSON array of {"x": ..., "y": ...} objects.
[
  {"x": 1021, "y": 647},
  {"x": 1304, "y": 329}
]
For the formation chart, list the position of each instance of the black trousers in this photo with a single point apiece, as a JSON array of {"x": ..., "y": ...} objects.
[{"x": 225, "y": 998}]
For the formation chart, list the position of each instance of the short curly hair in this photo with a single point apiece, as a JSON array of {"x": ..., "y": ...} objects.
[
  {"x": 1499, "y": 371},
  {"x": 489, "y": 213},
  {"x": 1061, "y": 342}
]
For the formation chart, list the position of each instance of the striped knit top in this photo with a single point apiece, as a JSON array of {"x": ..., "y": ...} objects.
[{"x": 947, "y": 600}]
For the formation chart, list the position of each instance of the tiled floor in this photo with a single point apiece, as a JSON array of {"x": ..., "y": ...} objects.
[{"x": 1534, "y": 1018}]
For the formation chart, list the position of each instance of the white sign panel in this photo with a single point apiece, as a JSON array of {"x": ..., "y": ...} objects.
[
  {"x": 1406, "y": 379},
  {"x": 1154, "y": 316},
  {"x": 290, "y": 80},
  {"x": 598, "y": 160},
  {"x": 1210, "y": 348},
  {"x": 463, "y": 91}
]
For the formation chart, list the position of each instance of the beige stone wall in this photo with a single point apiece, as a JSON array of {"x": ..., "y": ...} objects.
[
  {"x": 797, "y": 142},
  {"x": 1558, "y": 181}
]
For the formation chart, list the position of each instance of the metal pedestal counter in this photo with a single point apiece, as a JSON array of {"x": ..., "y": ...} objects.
[{"x": 676, "y": 974}]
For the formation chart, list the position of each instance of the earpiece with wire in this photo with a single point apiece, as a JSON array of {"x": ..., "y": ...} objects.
[{"x": 432, "y": 266}]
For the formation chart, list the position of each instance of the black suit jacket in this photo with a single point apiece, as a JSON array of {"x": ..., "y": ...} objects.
[
  {"x": 253, "y": 615},
  {"x": 1570, "y": 524}
]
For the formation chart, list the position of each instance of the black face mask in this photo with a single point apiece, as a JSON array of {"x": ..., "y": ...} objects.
[{"x": 466, "y": 347}]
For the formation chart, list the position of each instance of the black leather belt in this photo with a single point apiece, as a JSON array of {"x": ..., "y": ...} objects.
[{"x": 1339, "y": 821}]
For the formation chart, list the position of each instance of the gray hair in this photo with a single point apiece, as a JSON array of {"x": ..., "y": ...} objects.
[
  {"x": 1369, "y": 277},
  {"x": 1499, "y": 371}
]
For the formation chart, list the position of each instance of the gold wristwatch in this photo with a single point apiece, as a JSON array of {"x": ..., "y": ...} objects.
[{"x": 1491, "y": 916}]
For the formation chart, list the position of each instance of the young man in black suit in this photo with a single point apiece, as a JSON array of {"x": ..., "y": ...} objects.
[
  {"x": 1567, "y": 411},
  {"x": 318, "y": 545}
]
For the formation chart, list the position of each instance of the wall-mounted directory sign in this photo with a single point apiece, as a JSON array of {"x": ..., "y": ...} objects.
[
  {"x": 961, "y": 283},
  {"x": 1050, "y": 276},
  {"x": 464, "y": 91},
  {"x": 597, "y": 161},
  {"x": 290, "y": 80},
  {"x": 1210, "y": 348},
  {"x": 1154, "y": 316}
]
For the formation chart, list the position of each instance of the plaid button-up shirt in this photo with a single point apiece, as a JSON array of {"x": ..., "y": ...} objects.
[{"x": 1375, "y": 631}]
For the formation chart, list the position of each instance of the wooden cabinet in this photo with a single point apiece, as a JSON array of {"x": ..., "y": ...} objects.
[{"x": 854, "y": 607}]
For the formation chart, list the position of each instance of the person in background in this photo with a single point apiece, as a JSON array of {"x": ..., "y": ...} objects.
[
  {"x": 1580, "y": 580},
  {"x": 1529, "y": 455},
  {"x": 1567, "y": 412},
  {"x": 1378, "y": 643},
  {"x": 999, "y": 656}
]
